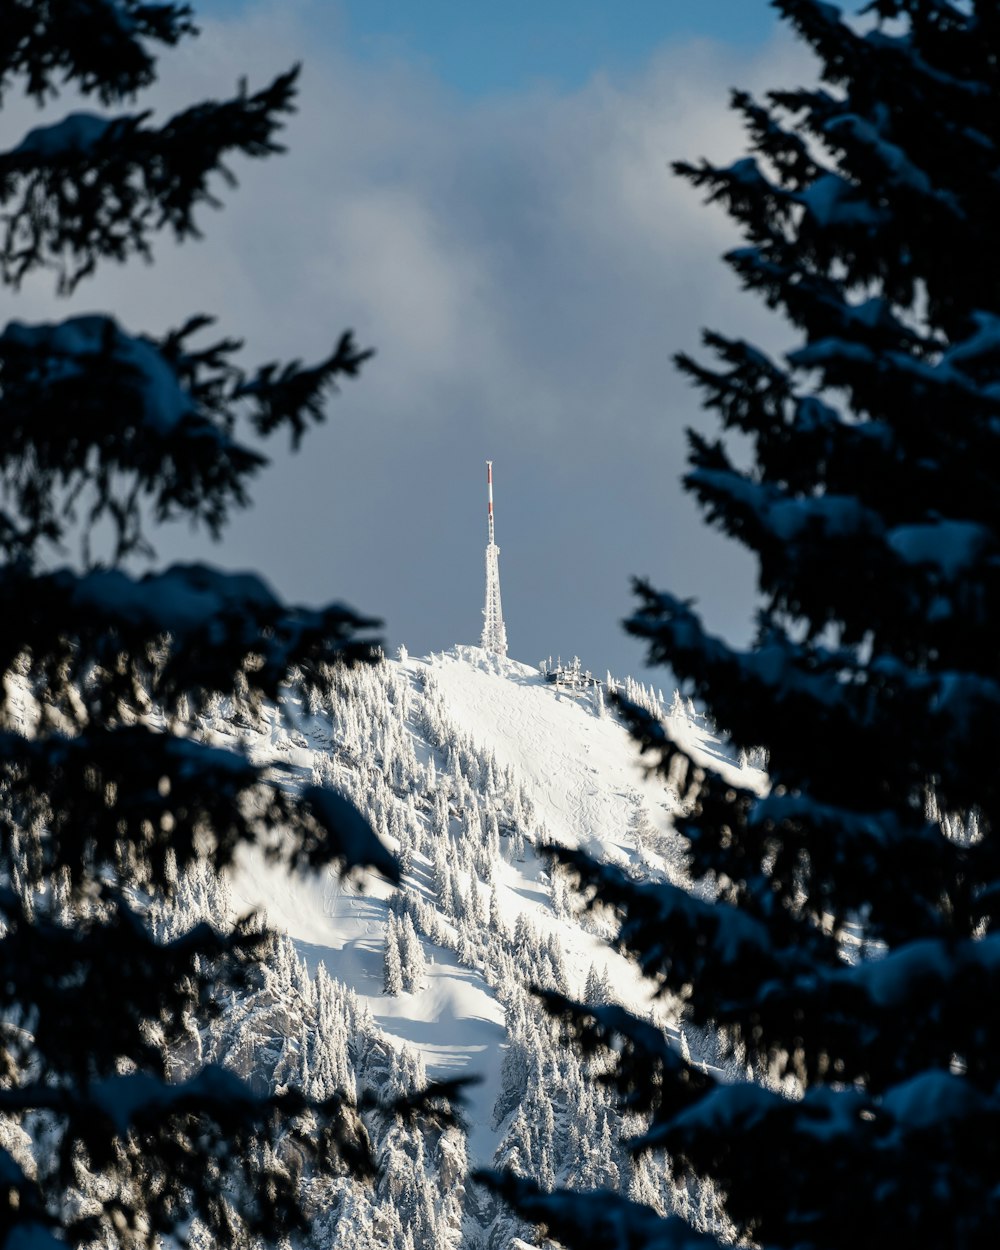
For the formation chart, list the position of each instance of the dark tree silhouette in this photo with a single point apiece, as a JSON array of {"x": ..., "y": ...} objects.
[
  {"x": 104, "y": 798},
  {"x": 844, "y": 943}
]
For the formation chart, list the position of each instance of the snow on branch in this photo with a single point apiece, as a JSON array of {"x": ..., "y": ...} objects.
[
  {"x": 787, "y": 151},
  {"x": 947, "y": 381},
  {"x": 50, "y": 974},
  {"x": 128, "y": 418},
  {"x": 780, "y": 674},
  {"x": 682, "y": 941},
  {"x": 213, "y": 629},
  {"x": 124, "y": 1101},
  {"x": 80, "y": 191},
  {"x": 784, "y": 517},
  {"x": 649, "y": 1074},
  {"x": 593, "y": 1218},
  {"x": 187, "y": 800},
  {"x": 897, "y": 1143},
  {"x": 202, "y": 1130}
]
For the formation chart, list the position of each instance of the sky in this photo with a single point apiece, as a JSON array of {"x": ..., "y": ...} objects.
[
  {"x": 482, "y": 48},
  {"x": 483, "y": 193}
]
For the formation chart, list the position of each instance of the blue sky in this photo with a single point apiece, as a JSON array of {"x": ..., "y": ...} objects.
[{"x": 479, "y": 47}]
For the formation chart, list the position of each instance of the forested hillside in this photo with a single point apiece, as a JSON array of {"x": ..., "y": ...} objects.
[{"x": 463, "y": 763}]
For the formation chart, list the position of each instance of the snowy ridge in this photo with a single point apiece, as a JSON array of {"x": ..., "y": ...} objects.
[{"x": 463, "y": 762}]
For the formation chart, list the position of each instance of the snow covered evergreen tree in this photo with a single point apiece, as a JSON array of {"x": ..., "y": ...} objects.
[
  {"x": 392, "y": 964},
  {"x": 105, "y": 804},
  {"x": 843, "y": 939}
]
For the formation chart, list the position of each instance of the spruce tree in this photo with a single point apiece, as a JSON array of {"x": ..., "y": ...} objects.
[
  {"x": 842, "y": 940},
  {"x": 107, "y": 796},
  {"x": 392, "y": 964}
]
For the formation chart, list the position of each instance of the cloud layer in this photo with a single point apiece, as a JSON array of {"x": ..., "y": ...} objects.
[{"x": 525, "y": 266}]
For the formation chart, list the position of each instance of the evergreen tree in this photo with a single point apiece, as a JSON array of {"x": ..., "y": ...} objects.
[
  {"x": 869, "y": 208},
  {"x": 641, "y": 827},
  {"x": 411, "y": 953},
  {"x": 392, "y": 982},
  {"x": 104, "y": 804},
  {"x": 598, "y": 988}
]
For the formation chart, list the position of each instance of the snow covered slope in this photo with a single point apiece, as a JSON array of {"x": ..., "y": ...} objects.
[
  {"x": 465, "y": 762},
  {"x": 583, "y": 772}
]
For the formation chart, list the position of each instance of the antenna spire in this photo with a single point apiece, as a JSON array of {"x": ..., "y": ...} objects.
[{"x": 494, "y": 633}]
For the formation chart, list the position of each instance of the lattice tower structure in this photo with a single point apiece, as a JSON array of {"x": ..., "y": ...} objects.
[{"x": 494, "y": 631}]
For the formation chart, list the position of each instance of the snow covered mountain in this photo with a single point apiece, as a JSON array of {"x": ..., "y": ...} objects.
[{"x": 464, "y": 763}]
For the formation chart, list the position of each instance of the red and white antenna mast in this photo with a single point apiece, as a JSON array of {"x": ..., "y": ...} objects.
[
  {"x": 489, "y": 498},
  {"x": 494, "y": 633}
]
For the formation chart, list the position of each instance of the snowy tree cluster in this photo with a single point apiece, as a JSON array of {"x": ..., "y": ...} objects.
[
  {"x": 645, "y": 697},
  {"x": 291, "y": 1028},
  {"x": 459, "y": 823},
  {"x": 556, "y": 1124},
  {"x": 404, "y": 955}
]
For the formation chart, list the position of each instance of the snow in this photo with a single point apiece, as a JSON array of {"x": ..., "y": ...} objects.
[
  {"x": 65, "y": 345},
  {"x": 894, "y": 159},
  {"x": 951, "y": 547},
  {"x": 605, "y": 1219},
  {"x": 180, "y": 601},
  {"x": 833, "y": 201},
  {"x": 724, "y": 1107},
  {"x": 76, "y": 135},
  {"x": 931, "y": 1099},
  {"x": 790, "y": 518},
  {"x": 455, "y": 1022},
  {"x": 746, "y": 171},
  {"x": 166, "y": 402},
  {"x": 949, "y": 373},
  {"x": 582, "y": 773},
  {"x": 983, "y": 342},
  {"x": 962, "y": 697},
  {"x": 832, "y": 516},
  {"x": 831, "y": 1113},
  {"x": 823, "y": 351},
  {"x": 578, "y": 770},
  {"x": 198, "y": 605},
  {"x": 875, "y": 312},
  {"x": 895, "y": 980}
]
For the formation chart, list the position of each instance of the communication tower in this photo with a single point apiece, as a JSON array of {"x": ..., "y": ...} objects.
[{"x": 494, "y": 633}]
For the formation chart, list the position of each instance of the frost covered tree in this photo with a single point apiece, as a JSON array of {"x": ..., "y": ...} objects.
[
  {"x": 392, "y": 965},
  {"x": 104, "y": 803},
  {"x": 869, "y": 208},
  {"x": 411, "y": 953}
]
